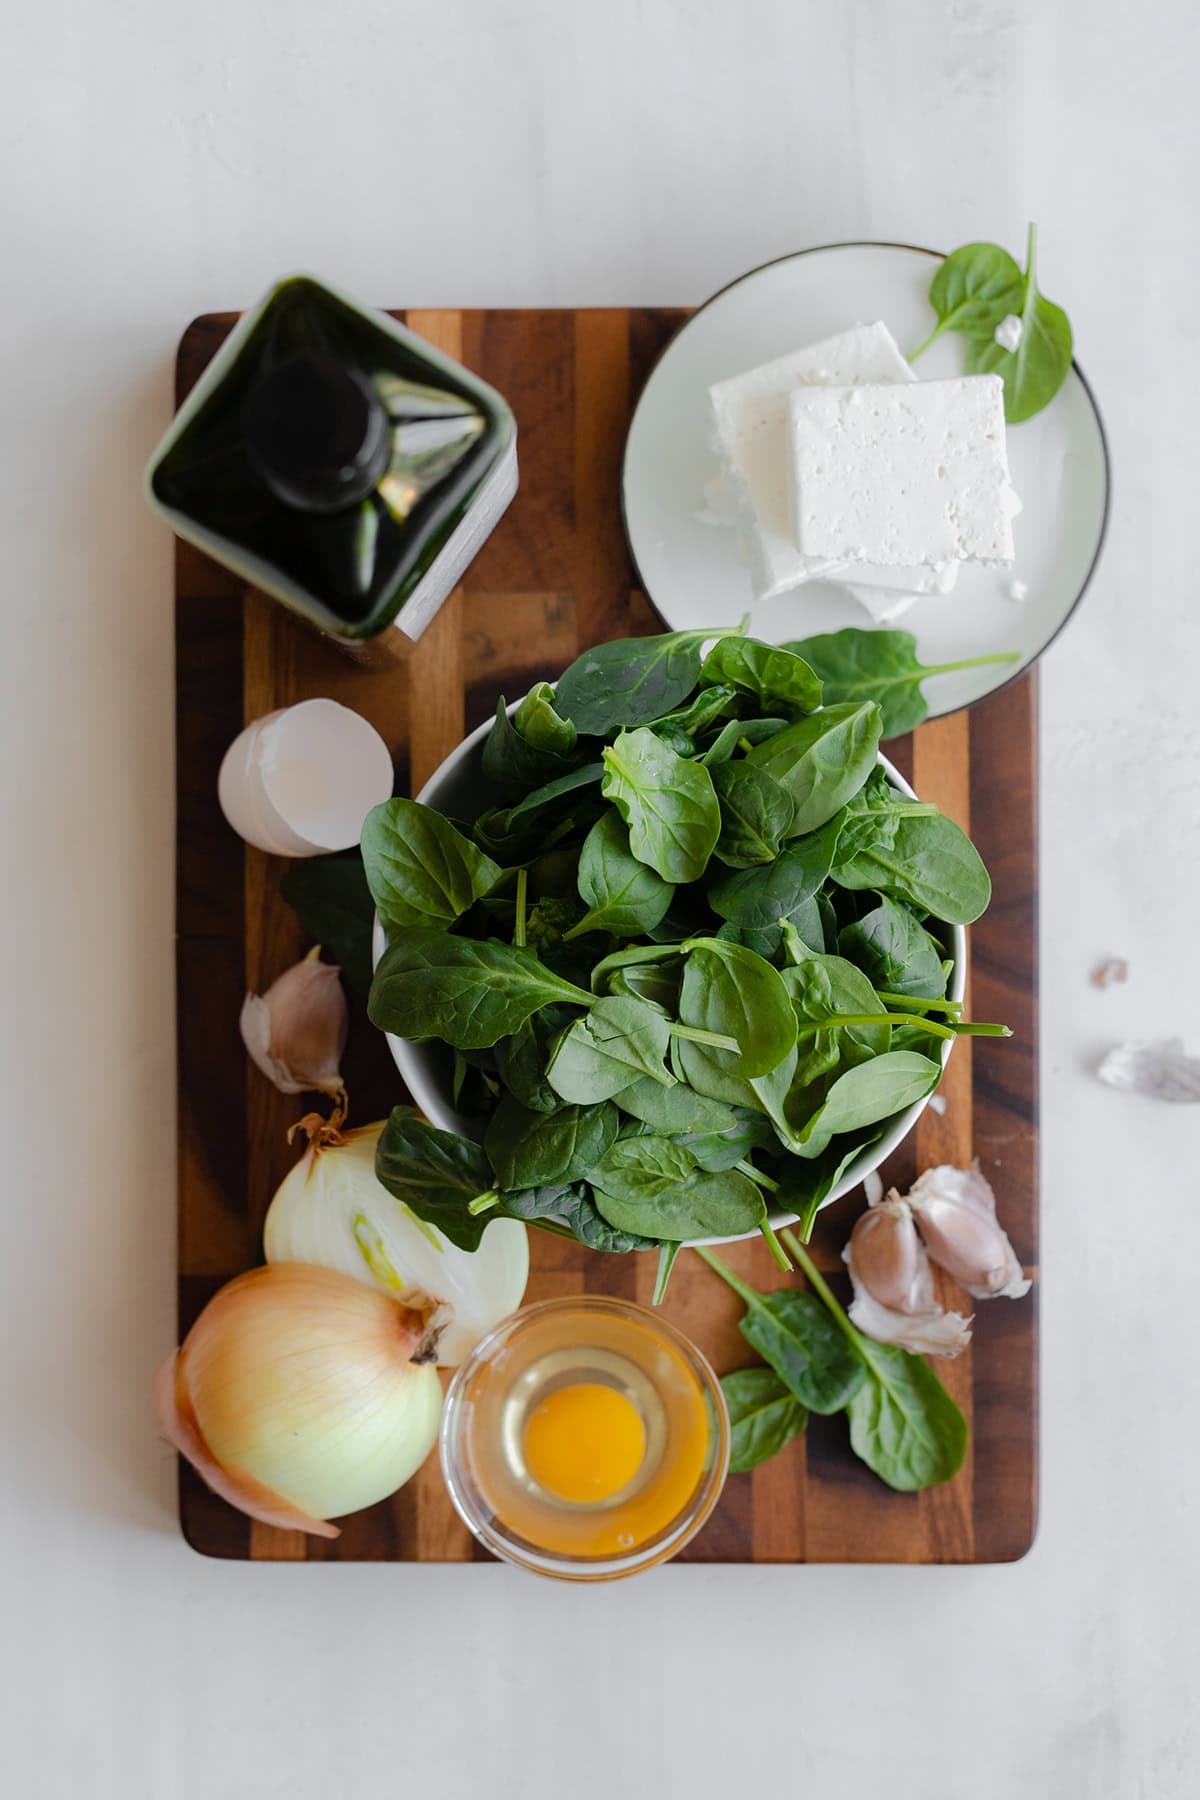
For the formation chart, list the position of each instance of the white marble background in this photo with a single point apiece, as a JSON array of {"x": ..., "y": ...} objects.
[{"x": 161, "y": 159}]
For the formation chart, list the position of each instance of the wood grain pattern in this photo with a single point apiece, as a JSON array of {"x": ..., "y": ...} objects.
[{"x": 553, "y": 578}]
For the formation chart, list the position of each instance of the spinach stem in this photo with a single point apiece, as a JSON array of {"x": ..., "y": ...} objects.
[
  {"x": 482, "y": 1202},
  {"x": 756, "y": 1175},
  {"x": 816, "y": 1281},
  {"x": 667, "y": 1253},
  {"x": 840, "y": 1021},
  {"x": 522, "y": 890},
  {"x": 921, "y": 348},
  {"x": 774, "y": 1246},
  {"x": 726, "y": 1273},
  {"x": 910, "y": 1003},
  {"x": 972, "y": 662},
  {"x": 714, "y": 1039}
]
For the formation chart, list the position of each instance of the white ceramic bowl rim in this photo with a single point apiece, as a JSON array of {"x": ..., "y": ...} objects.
[{"x": 415, "y": 1061}]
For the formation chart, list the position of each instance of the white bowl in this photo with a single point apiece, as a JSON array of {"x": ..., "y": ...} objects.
[{"x": 454, "y": 788}]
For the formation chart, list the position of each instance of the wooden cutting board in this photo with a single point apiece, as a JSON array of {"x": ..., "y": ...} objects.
[{"x": 554, "y": 578}]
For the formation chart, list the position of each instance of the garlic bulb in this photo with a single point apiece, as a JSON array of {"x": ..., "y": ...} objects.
[
  {"x": 296, "y": 1031},
  {"x": 955, "y": 1210},
  {"x": 893, "y": 1286},
  {"x": 300, "y": 1395},
  {"x": 331, "y": 1209}
]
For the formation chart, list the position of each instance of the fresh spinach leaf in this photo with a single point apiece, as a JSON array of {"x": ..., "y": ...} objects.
[
  {"x": 618, "y": 1041},
  {"x": 624, "y": 896},
  {"x": 731, "y": 1146},
  {"x": 331, "y": 896},
  {"x": 1032, "y": 373},
  {"x": 432, "y": 985},
  {"x": 420, "y": 870},
  {"x": 630, "y": 681},
  {"x": 795, "y": 1336},
  {"x": 521, "y": 1059},
  {"x": 539, "y": 723},
  {"x": 823, "y": 760},
  {"x": 671, "y": 1111},
  {"x": 756, "y": 814},
  {"x": 903, "y": 1423},
  {"x": 435, "y": 1173},
  {"x": 650, "y": 1185},
  {"x": 974, "y": 288},
  {"x": 569, "y": 1210},
  {"x": 708, "y": 706},
  {"x": 883, "y": 666},
  {"x": 761, "y": 897},
  {"x": 894, "y": 951},
  {"x": 668, "y": 803},
  {"x": 777, "y": 680},
  {"x": 532, "y": 1149},
  {"x": 763, "y": 1417},
  {"x": 729, "y": 990},
  {"x": 513, "y": 761},
  {"x": 932, "y": 863},
  {"x": 739, "y": 733},
  {"x": 822, "y": 988},
  {"x": 806, "y": 1184},
  {"x": 864, "y": 1095}
]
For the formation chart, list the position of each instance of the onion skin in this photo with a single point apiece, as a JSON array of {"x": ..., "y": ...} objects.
[{"x": 296, "y": 1396}]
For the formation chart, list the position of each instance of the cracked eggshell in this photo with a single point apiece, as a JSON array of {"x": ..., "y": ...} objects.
[{"x": 300, "y": 781}]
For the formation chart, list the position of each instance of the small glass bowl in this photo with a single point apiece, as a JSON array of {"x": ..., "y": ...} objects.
[{"x": 554, "y": 1342}]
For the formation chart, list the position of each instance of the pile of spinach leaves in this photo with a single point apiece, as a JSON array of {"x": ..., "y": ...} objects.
[{"x": 690, "y": 957}]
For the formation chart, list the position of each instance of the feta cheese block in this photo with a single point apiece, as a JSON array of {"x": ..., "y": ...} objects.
[
  {"x": 890, "y": 476},
  {"x": 749, "y": 434}
]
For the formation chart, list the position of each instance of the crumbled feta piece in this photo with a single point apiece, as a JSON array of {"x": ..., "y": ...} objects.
[
  {"x": 902, "y": 476},
  {"x": 1008, "y": 332},
  {"x": 749, "y": 419}
]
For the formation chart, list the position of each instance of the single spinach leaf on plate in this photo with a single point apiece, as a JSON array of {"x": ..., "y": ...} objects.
[
  {"x": 650, "y": 1185},
  {"x": 531, "y": 1149},
  {"x": 430, "y": 984},
  {"x": 630, "y": 681},
  {"x": 729, "y": 990},
  {"x": 1036, "y": 369},
  {"x": 903, "y": 1423},
  {"x": 623, "y": 895},
  {"x": 763, "y": 1417},
  {"x": 420, "y": 870},
  {"x": 618, "y": 1041},
  {"x": 975, "y": 287},
  {"x": 822, "y": 760},
  {"x": 932, "y": 863},
  {"x": 513, "y": 761},
  {"x": 894, "y": 951},
  {"x": 864, "y": 1096},
  {"x": 756, "y": 814},
  {"x": 761, "y": 897},
  {"x": 732, "y": 735},
  {"x": 882, "y": 666},
  {"x": 668, "y": 803},
  {"x": 331, "y": 896},
  {"x": 777, "y": 680},
  {"x": 435, "y": 1173},
  {"x": 569, "y": 1210}
]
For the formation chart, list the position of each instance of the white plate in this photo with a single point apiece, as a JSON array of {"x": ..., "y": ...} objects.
[{"x": 691, "y": 569}]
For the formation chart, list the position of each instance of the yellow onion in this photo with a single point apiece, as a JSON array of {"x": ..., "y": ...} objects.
[
  {"x": 301, "y": 1394},
  {"x": 331, "y": 1208}
]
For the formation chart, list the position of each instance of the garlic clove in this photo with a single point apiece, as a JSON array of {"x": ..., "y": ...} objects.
[
  {"x": 893, "y": 1284},
  {"x": 890, "y": 1258},
  {"x": 296, "y": 1031},
  {"x": 955, "y": 1211},
  {"x": 176, "y": 1416},
  {"x": 1161, "y": 1070}
]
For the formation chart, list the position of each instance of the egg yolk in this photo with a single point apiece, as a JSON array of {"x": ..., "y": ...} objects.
[{"x": 584, "y": 1442}]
